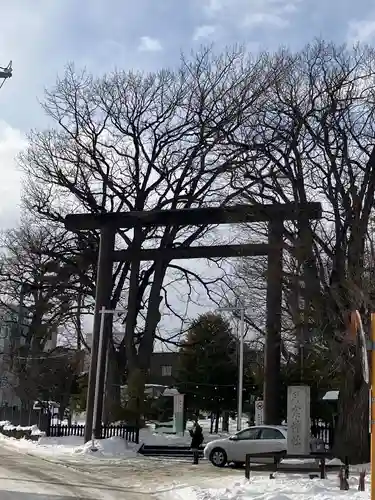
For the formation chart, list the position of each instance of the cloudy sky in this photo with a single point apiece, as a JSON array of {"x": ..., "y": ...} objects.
[{"x": 41, "y": 36}]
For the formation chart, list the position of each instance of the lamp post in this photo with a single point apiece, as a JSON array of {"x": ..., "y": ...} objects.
[
  {"x": 102, "y": 350},
  {"x": 240, "y": 308},
  {"x": 5, "y": 73}
]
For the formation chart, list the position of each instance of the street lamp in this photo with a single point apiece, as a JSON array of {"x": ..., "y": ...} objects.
[
  {"x": 103, "y": 311},
  {"x": 240, "y": 308},
  {"x": 5, "y": 73}
]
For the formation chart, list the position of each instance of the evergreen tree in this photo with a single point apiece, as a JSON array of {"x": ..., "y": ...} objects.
[{"x": 208, "y": 370}]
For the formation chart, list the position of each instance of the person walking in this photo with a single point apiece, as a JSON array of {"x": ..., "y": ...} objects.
[{"x": 196, "y": 434}]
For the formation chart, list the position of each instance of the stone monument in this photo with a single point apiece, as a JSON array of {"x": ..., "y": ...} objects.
[
  {"x": 178, "y": 413},
  {"x": 298, "y": 420}
]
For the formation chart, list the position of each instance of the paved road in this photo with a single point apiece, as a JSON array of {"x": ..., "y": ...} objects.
[
  {"x": 25, "y": 477},
  {"x": 155, "y": 475}
]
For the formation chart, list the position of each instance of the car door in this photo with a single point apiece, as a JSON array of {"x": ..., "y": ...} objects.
[
  {"x": 271, "y": 440},
  {"x": 244, "y": 442}
]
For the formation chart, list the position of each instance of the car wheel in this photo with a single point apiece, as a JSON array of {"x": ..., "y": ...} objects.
[{"x": 218, "y": 457}]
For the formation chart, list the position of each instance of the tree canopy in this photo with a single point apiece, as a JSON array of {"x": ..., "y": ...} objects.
[{"x": 208, "y": 369}]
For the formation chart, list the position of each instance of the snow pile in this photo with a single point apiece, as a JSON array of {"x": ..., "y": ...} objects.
[
  {"x": 156, "y": 437},
  {"x": 114, "y": 447},
  {"x": 152, "y": 438},
  {"x": 111, "y": 447},
  {"x": 282, "y": 488},
  {"x": 35, "y": 431}
]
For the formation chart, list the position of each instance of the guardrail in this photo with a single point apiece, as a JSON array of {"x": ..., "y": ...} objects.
[{"x": 320, "y": 466}]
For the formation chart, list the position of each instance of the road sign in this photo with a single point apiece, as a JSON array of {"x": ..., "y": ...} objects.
[{"x": 259, "y": 412}]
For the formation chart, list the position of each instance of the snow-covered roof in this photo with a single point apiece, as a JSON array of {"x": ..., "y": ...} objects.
[
  {"x": 331, "y": 396},
  {"x": 171, "y": 391}
]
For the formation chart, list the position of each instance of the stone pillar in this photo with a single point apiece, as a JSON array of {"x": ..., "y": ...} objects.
[
  {"x": 298, "y": 420},
  {"x": 178, "y": 413},
  {"x": 272, "y": 381}
]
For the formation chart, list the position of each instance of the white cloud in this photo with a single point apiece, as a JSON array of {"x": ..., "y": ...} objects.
[
  {"x": 263, "y": 18},
  {"x": 149, "y": 44},
  {"x": 361, "y": 31},
  {"x": 251, "y": 13},
  {"x": 12, "y": 142},
  {"x": 204, "y": 31}
]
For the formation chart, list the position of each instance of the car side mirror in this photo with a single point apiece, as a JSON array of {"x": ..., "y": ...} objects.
[{"x": 233, "y": 438}]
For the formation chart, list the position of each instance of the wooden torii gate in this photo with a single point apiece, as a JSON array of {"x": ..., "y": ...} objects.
[{"x": 110, "y": 223}]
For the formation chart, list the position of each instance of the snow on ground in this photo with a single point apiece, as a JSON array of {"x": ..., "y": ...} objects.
[
  {"x": 178, "y": 479},
  {"x": 148, "y": 436},
  {"x": 114, "y": 447},
  {"x": 153, "y": 436},
  {"x": 106, "y": 448},
  {"x": 285, "y": 487}
]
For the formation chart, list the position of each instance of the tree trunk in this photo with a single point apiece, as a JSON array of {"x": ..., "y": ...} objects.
[
  {"x": 136, "y": 386},
  {"x": 352, "y": 431},
  {"x": 225, "y": 423},
  {"x": 217, "y": 418},
  {"x": 112, "y": 402}
]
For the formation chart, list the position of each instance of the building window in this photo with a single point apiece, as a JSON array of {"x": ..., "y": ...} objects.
[{"x": 166, "y": 371}]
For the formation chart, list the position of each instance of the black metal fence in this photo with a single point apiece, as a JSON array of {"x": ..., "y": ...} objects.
[
  {"x": 129, "y": 433},
  {"x": 324, "y": 431},
  {"x": 25, "y": 417}
]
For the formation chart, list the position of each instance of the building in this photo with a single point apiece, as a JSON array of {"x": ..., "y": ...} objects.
[
  {"x": 12, "y": 336},
  {"x": 163, "y": 368},
  {"x": 164, "y": 365}
]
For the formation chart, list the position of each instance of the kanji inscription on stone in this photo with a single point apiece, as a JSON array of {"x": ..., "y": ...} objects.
[{"x": 298, "y": 420}]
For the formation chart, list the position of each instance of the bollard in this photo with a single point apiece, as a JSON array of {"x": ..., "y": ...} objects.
[
  {"x": 361, "y": 484},
  {"x": 247, "y": 467},
  {"x": 195, "y": 457},
  {"x": 323, "y": 468},
  {"x": 347, "y": 467},
  {"x": 344, "y": 484}
]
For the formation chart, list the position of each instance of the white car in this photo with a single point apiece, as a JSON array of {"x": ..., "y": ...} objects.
[{"x": 259, "y": 439}]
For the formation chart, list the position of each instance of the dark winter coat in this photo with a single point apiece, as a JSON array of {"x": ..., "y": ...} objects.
[{"x": 196, "y": 434}]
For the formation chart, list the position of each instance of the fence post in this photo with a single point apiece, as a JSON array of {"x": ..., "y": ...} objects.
[
  {"x": 347, "y": 467},
  {"x": 247, "y": 467},
  {"x": 322, "y": 468}
]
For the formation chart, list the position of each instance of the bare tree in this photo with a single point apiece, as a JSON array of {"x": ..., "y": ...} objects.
[
  {"x": 47, "y": 376},
  {"x": 38, "y": 294},
  {"x": 27, "y": 286},
  {"x": 131, "y": 141},
  {"x": 315, "y": 141}
]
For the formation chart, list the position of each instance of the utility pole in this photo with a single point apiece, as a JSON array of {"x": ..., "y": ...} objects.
[
  {"x": 104, "y": 283},
  {"x": 241, "y": 336},
  {"x": 100, "y": 373}
]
